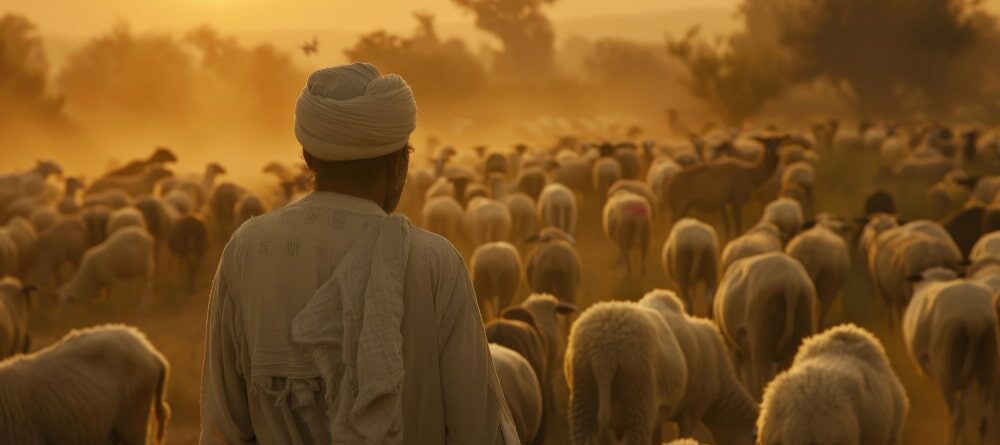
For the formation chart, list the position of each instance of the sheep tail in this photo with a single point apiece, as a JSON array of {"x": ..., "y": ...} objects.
[
  {"x": 161, "y": 407},
  {"x": 604, "y": 375}
]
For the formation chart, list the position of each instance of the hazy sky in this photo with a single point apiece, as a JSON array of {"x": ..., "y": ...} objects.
[{"x": 85, "y": 17}]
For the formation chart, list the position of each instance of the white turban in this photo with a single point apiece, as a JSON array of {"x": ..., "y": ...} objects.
[{"x": 352, "y": 112}]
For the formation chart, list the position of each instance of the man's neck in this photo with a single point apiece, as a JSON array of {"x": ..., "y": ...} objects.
[{"x": 375, "y": 194}]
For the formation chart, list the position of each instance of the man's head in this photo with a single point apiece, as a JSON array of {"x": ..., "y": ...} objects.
[{"x": 354, "y": 126}]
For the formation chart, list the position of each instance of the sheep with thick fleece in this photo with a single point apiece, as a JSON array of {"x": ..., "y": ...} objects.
[
  {"x": 760, "y": 239},
  {"x": 875, "y": 224},
  {"x": 713, "y": 396},
  {"x": 628, "y": 223},
  {"x": 134, "y": 185},
  {"x": 15, "y": 303},
  {"x": 827, "y": 259},
  {"x": 764, "y": 307},
  {"x": 524, "y": 220},
  {"x": 906, "y": 251},
  {"x": 159, "y": 217},
  {"x": 248, "y": 206},
  {"x": 105, "y": 384},
  {"x": 63, "y": 243},
  {"x": 547, "y": 314},
  {"x": 786, "y": 214},
  {"x": 126, "y": 217},
  {"x": 521, "y": 391},
  {"x": 839, "y": 390},
  {"x": 443, "y": 215},
  {"x": 496, "y": 275},
  {"x": 988, "y": 246},
  {"x": 553, "y": 266},
  {"x": 626, "y": 374},
  {"x": 691, "y": 257},
  {"x": 127, "y": 254},
  {"x": 9, "y": 256},
  {"x": 950, "y": 332},
  {"x": 557, "y": 208},
  {"x": 25, "y": 237},
  {"x": 606, "y": 172},
  {"x": 487, "y": 221}
]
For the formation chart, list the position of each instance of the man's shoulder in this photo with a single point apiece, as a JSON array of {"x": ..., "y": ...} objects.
[{"x": 432, "y": 249}]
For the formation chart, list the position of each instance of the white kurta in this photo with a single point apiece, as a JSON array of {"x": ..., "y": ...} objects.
[{"x": 258, "y": 386}]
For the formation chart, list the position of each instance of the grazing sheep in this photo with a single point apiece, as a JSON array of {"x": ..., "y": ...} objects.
[
  {"x": 159, "y": 217},
  {"x": 96, "y": 219},
  {"x": 126, "y": 254},
  {"x": 713, "y": 395},
  {"x": 786, "y": 214},
  {"x": 950, "y": 332},
  {"x": 15, "y": 302},
  {"x": 626, "y": 374},
  {"x": 524, "y": 220},
  {"x": 606, "y": 172},
  {"x": 188, "y": 241},
  {"x": 135, "y": 185},
  {"x": 556, "y": 207},
  {"x": 98, "y": 385},
  {"x": 196, "y": 188},
  {"x": 628, "y": 223},
  {"x": 126, "y": 217},
  {"x": 554, "y": 266},
  {"x": 63, "y": 243},
  {"x": 762, "y": 238},
  {"x": 906, "y": 251},
  {"x": 839, "y": 390},
  {"x": 487, "y": 221},
  {"x": 764, "y": 307},
  {"x": 496, "y": 275},
  {"x": 691, "y": 257},
  {"x": 521, "y": 391},
  {"x": 443, "y": 215},
  {"x": 827, "y": 259},
  {"x": 249, "y": 206}
]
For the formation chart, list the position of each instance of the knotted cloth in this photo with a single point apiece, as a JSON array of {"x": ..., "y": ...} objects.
[
  {"x": 352, "y": 327},
  {"x": 351, "y": 112}
]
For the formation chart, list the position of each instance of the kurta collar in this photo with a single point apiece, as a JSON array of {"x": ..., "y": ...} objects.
[{"x": 346, "y": 202}]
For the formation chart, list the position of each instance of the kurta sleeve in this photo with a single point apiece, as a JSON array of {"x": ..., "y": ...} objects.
[
  {"x": 474, "y": 408},
  {"x": 225, "y": 414}
]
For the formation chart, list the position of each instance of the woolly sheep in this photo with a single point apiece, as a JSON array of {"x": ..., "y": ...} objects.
[
  {"x": 553, "y": 266},
  {"x": 159, "y": 217},
  {"x": 135, "y": 185},
  {"x": 786, "y": 214},
  {"x": 496, "y": 275},
  {"x": 180, "y": 201},
  {"x": 26, "y": 238},
  {"x": 249, "y": 206},
  {"x": 43, "y": 217},
  {"x": 986, "y": 247},
  {"x": 63, "y": 243},
  {"x": 524, "y": 220},
  {"x": 713, "y": 395},
  {"x": 127, "y": 254},
  {"x": 875, "y": 224},
  {"x": 15, "y": 303},
  {"x": 764, "y": 307},
  {"x": 96, "y": 220},
  {"x": 531, "y": 181},
  {"x": 760, "y": 239},
  {"x": 222, "y": 206},
  {"x": 443, "y": 215},
  {"x": 126, "y": 217},
  {"x": 827, "y": 259},
  {"x": 690, "y": 257},
  {"x": 627, "y": 223},
  {"x": 950, "y": 332},
  {"x": 487, "y": 221},
  {"x": 557, "y": 208},
  {"x": 521, "y": 391},
  {"x": 626, "y": 374},
  {"x": 188, "y": 241},
  {"x": 62, "y": 394},
  {"x": 606, "y": 172},
  {"x": 839, "y": 390},
  {"x": 9, "y": 261},
  {"x": 546, "y": 314}
]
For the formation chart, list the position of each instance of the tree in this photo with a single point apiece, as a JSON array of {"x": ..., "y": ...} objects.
[
  {"x": 526, "y": 33},
  {"x": 879, "y": 53},
  {"x": 735, "y": 76},
  {"x": 23, "y": 69}
]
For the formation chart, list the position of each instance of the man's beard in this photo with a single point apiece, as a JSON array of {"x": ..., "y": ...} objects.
[{"x": 394, "y": 193}]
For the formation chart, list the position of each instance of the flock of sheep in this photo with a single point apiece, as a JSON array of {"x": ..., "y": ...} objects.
[{"x": 741, "y": 350}]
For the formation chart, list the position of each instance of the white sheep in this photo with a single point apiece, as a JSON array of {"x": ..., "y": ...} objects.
[
  {"x": 547, "y": 314},
  {"x": 521, "y": 391},
  {"x": 875, "y": 225},
  {"x": 950, "y": 332},
  {"x": 127, "y": 254},
  {"x": 625, "y": 372},
  {"x": 496, "y": 275},
  {"x": 65, "y": 394},
  {"x": 606, "y": 172},
  {"x": 786, "y": 214},
  {"x": 553, "y": 266},
  {"x": 764, "y": 307},
  {"x": 988, "y": 246},
  {"x": 524, "y": 220},
  {"x": 628, "y": 224},
  {"x": 713, "y": 395},
  {"x": 443, "y": 215},
  {"x": 487, "y": 221},
  {"x": 557, "y": 208},
  {"x": 827, "y": 259},
  {"x": 691, "y": 257},
  {"x": 839, "y": 390},
  {"x": 760, "y": 239},
  {"x": 15, "y": 303},
  {"x": 126, "y": 217}
]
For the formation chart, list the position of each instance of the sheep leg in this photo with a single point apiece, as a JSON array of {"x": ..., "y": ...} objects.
[{"x": 954, "y": 402}]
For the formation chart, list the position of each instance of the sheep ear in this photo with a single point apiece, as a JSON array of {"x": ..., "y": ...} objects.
[
  {"x": 915, "y": 278},
  {"x": 565, "y": 308},
  {"x": 520, "y": 314}
]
